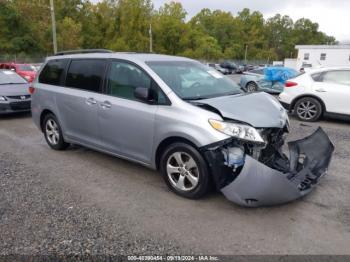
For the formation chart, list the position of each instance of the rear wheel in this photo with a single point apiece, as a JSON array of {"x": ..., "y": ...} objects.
[
  {"x": 251, "y": 87},
  {"x": 308, "y": 109},
  {"x": 185, "y": 171},
  {"x": 53, "y": 133}
]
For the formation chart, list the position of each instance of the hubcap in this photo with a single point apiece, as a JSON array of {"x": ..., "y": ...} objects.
[
  {"x": 251, "y": 88},
  {"x": 182, "y": 171},
  {"x": 307, "y": 110},
  {"x": 52, "y": 132}
]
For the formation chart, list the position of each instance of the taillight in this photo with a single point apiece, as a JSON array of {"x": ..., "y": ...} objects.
[
  {"x": 31, "y": 90},
  {"x": 290, "y": 84}
]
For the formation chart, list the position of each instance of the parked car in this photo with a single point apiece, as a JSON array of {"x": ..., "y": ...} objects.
[
  {"x": 24, "y": 70},
  {"x": 14, "y": 94},
  {"x": 232, "y": 67},
  {"x": 259, "y": 80},
  {"x": 249, "y": 67},
  {"x": 173, "y": 114},
  {"x": 36, "y": 67},
  {"x": 217, "y": 67},
  {"x": 222, "y": 70},
  {"x": 317, "y": 93}
]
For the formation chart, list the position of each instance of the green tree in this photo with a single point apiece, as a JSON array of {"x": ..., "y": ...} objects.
[
  {"x": 170, "y": 29},
  {"x": 279, "y": 33},
  {"x": 131, "y": 25},
  {"x": 123, "y": 25},
  {"x": 15, "y": 34},
  {"x": 69, "y": 34}
]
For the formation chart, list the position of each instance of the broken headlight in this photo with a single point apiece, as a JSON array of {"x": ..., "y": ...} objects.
[{"x": 239, "y": 131}]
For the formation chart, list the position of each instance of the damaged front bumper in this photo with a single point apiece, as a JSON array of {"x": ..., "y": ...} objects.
[{"x": 254, "y": 184}]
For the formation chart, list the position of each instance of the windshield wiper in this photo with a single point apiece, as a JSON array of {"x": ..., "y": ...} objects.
[{"x": 193, "y": 98}]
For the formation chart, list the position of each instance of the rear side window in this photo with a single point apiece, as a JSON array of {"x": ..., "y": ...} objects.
[
  {"x": 339, "y": 77},
  {"x": 257, "y": 71},
  {"x": 86, "y": 74},
  {"x": 52, "y": 73}
]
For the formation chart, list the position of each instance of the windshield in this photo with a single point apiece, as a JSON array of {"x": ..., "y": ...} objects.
[
  {"x": 10, "y": 77},
  {"x": 25, "y": 68},
  {"x": 193, "y": 81}
]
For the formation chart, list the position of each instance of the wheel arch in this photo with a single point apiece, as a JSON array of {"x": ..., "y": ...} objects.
[
  {"x": 168, "y": 141},
  {"x": 43, "y": 114},
  {"x": 295, "y": 100}
]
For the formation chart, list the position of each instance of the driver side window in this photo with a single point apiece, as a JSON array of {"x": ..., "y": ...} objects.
[{"x": 124, "y": 78}]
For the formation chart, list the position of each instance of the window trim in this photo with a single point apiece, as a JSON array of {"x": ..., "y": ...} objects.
[
  {"x": 106, "y": 89},
  {"x": 102, "y": 84}
]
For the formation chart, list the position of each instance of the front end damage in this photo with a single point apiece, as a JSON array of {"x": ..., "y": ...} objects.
[{"x": 255, "y": 175}]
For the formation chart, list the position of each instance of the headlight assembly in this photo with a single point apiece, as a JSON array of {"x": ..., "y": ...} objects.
[
  {"x": 2, "y": 98},
  {"x": 239, "y": 131}
]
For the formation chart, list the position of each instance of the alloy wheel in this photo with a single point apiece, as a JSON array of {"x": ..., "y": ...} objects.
[
  {"x": 251, "y": 87},
  {"x": 307, "y": 110},
  {"x": 182, "y": 171},
  {"x": 52, "y": 131}
]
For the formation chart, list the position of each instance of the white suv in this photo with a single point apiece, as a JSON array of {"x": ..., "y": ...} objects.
[{"x": 317, "y": 93}]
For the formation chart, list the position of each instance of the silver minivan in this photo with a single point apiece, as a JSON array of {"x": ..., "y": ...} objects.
[{"x": 183, "y": 118}]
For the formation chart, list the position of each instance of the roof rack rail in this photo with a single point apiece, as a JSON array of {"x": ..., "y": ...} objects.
[{"x": 83, "y": 51}]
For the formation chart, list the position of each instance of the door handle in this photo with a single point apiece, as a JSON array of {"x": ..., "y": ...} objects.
[
  {"x": 106, "y": 104},
  {"x": 91, "y": 101},
  {"x": 321, "y": 90}
]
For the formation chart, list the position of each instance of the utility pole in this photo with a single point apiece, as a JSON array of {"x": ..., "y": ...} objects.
[
  {"x": 245, "y": 54},
  {"x": 150, "y": 39},
  {"x": 53, "y": 18}
]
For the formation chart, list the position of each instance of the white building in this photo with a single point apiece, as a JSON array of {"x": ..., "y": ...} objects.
[{"x": 322, "y": 55}]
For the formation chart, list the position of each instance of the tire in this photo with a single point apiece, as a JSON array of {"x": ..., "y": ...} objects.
[
  {"x": 53, "y": 133},
  {"x": 251, "y": 87},
  {"x": 192, "y": 168},
  {"x": 308, "y": 109}
]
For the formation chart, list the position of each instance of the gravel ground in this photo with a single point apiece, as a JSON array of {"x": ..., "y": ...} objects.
[
  {"x": 83, "y": 202},
  {"x": 37, "y": 217}
]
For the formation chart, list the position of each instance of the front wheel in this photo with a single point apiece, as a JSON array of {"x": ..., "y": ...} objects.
[
  {"x": 53, "y": 133},
  {"x": 185, "y": 171}
]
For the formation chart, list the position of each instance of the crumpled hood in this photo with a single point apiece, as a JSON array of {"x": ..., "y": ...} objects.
[
  {"x": 14, "y": 90},
  {"x": 260, "y": 110}
]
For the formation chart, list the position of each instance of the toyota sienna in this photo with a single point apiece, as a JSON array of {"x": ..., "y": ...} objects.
[{"x": 183, "y": 118}]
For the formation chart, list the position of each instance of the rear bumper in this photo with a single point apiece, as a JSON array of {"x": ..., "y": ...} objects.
[{"x": 259, "y": 185}]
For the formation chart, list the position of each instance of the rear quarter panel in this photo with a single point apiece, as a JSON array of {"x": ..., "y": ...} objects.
[{"x": 43, "y": 98}]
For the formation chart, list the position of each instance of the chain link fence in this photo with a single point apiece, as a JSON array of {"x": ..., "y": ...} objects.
[
  {"x": 23, "y": 59},
  {"x": 40, "y": 58}
]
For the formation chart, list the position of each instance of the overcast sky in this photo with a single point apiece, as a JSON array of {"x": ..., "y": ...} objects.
[{"x": 333, "y": 16}]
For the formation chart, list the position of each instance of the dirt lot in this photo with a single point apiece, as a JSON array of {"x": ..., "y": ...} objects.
[{"x": 84, "y": 202}]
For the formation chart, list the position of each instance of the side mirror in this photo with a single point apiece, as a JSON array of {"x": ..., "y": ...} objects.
[{"x": 143, "y": 94}]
